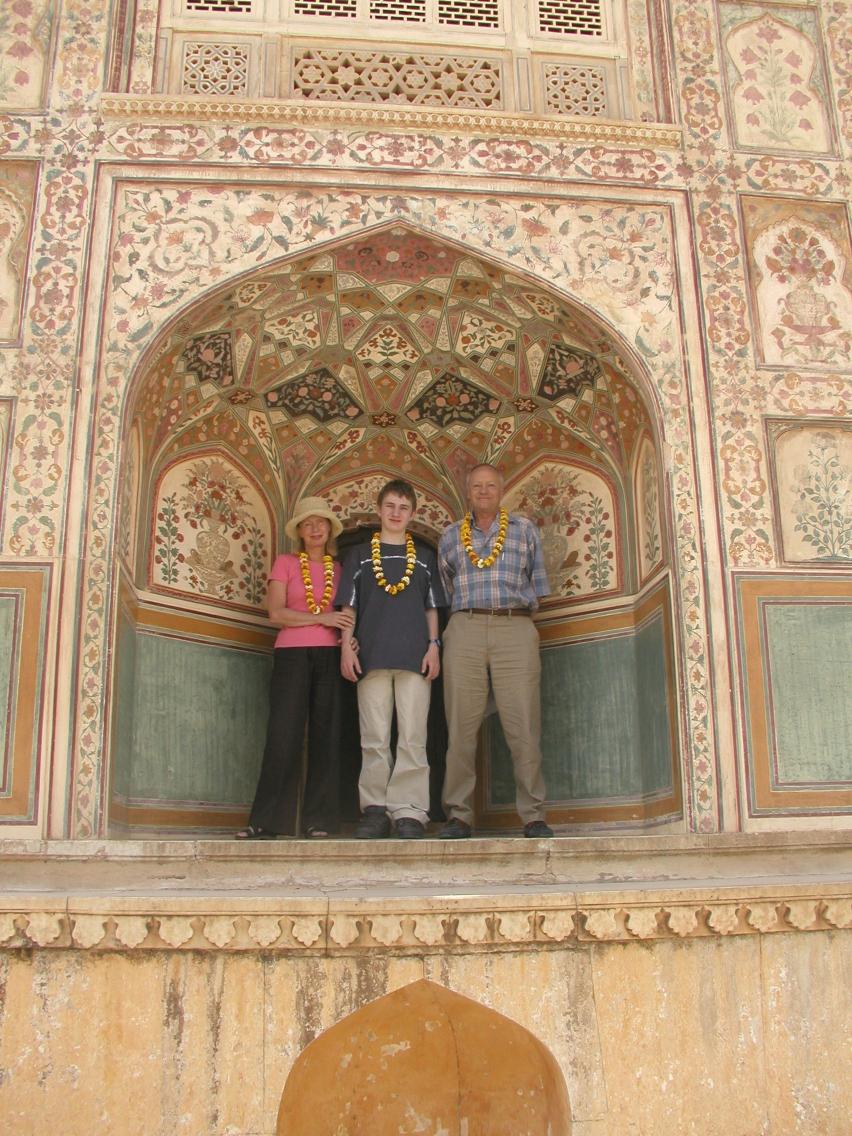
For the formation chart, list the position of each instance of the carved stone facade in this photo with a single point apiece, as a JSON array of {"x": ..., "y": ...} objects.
[{"x": 255, "y": 248}]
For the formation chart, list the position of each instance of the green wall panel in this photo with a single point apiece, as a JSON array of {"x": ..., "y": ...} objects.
[
  {"x": 198, "y": 722},
  {"x": 605, "y": 721},
  {"x": 810, "y": 664},
  {"x": 125, "y": 697}
]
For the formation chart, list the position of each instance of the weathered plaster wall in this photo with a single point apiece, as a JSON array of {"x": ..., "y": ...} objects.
[{"x": 665, "y": 1017}]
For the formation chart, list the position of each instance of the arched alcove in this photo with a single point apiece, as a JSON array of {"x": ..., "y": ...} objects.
[
  {"x": 424, "y": 1059},
  {"x": 392, "y": 353}
]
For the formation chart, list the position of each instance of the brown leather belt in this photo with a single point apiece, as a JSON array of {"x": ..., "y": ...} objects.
[{"x": 494, "y": 611}]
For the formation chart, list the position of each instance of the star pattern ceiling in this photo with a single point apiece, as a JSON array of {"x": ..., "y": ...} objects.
[{"x": 389, "y": 345}]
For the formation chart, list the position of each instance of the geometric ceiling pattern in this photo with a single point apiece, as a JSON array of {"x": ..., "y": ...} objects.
[{"x": 393, "y": 351}]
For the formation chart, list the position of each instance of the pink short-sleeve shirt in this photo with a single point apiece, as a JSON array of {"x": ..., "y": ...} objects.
[{"x": 288, "y": 570}]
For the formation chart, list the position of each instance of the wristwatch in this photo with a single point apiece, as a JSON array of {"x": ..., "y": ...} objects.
[{"x": 437, "y": 642}]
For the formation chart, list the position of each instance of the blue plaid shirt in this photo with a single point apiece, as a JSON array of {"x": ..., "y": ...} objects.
[{"x": 516, "y": 579}]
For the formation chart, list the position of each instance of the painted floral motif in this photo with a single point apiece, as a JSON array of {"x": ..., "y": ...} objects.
[
  {"x": 776, "y": 102},
  {"x": 649, "y": 510},
  {"x": 804, "y": 300},
  {"x": 573, "y": 511},
  {"x": 206, "y": 537},
  {"x": 567, "y": 373},
  {"x": 318, "y": 394},
  {"x": 823, "y": 489},
  {"x": 613, "y": 257},
  {"x": 451, "y": 399},
  {"x": 24, "y": 39},
  {"x": 209, "y": 358},
  {"x": 13, "y": 232}
]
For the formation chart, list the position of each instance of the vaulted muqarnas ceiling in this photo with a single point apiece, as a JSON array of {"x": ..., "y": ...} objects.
[{"x": 392, "y": 354}]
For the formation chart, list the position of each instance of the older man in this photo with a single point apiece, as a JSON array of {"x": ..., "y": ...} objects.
[{"x": 492, "y": 567}]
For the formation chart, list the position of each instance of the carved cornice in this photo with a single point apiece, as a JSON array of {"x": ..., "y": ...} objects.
[
  {"x": 152, "y": 109},
  {"x": 436, "y": 925}
]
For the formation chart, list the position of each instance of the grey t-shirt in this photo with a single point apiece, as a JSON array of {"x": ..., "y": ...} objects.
[{"x": 391, "y": 630}]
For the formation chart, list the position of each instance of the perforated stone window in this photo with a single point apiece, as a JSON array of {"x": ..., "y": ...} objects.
[
  {"x": 215, "y": 69},
  {"x": 390, "y": 77},
  {"x": 577, "y": 89},
  {"x": 571, "y": 17},
  {"x": 469, "y": 13},
  {"x": 544, "y": 57},
  {"x": 220, "y": 7},
  {"x": 411, "y": 11},
  {"x": 449, "y": 13},
  {"x": 346, "y": 9}
]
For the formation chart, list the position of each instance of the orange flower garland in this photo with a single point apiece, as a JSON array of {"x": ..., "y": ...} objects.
[
  {"x": 328, "y": 572},
  {"x": 410, "y": 561},
  {"x": 484, "y": 561}
]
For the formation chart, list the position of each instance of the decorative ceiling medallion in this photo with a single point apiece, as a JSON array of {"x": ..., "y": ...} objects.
[
  {"x": 451, "y": 400},
  {"x": 209, "y": 358},
  {"x": 317, "y": 394},
  {"x": 567, "y": 372}
]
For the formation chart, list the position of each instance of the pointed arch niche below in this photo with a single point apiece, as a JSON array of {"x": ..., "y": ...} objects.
[
  {"x": 393, "y": 353},
  {"x": 425, "y": 1056}
]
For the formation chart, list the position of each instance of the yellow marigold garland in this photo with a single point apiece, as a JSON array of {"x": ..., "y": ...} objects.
[
  {"x": 410, "y": 561},
  {"x": 328, "y": 572},
  {"x": 484, "y": 561}
]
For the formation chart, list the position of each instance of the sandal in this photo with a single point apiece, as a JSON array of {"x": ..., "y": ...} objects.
[
  {"x": 254, "y": 832},
  {"x": 314, "y": 832}
]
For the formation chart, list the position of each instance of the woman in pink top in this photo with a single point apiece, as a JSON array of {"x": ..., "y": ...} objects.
[{"x": 306, "y": 684}]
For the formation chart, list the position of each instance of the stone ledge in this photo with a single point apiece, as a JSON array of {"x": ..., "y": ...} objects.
[
  {"x": 226, "y": 868},
  {"x": 416, "y": 925},
  {"x": 152, "y": 109}
]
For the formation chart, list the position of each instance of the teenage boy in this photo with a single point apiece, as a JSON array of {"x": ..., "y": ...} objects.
[{"x": 392, "y": 587}]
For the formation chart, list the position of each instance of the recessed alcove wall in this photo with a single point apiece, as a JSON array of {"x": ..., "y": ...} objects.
[{"x": 390, "y": 354}]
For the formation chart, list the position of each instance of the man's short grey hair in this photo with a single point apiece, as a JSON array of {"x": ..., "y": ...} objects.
[{"x": 485, "y": 465}]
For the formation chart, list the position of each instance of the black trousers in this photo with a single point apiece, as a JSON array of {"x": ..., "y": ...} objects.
[{"x": 305, "y": 688}]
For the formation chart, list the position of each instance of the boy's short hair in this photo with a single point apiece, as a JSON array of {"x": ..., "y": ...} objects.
[{"x": 401, "y": 489}]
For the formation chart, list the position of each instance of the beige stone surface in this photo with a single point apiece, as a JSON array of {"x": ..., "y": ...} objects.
[
  {"x": 709, "y": 993},
  {"x": 681, "y": 1032},
  {"x": 714, "y": 1035},
  {"x": 808, "y": 1033},
  {"x": 173, "y": 1044}
]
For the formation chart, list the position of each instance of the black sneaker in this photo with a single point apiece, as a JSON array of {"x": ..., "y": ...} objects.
[
  {"x": 373, "y": 825},
  {"x": 455, "y": 829},
  {"x": 536, "y": 829},
  {"x": 408, "y": 828}
]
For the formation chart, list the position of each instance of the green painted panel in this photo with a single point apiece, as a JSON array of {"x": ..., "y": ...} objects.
[
  {"x": 605, "y": 721},
  {"x": 8, "y": 655},
  {"x": 199, "y": 721},
  {"x": 810, "y": 667},
  {"x": 655, "y": 706},
  {"x": 124, "y": 687}
]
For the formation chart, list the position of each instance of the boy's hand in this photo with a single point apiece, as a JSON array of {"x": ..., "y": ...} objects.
[
  {"x": 431, "y": 665},
  {"x": 350, "y": 668}
]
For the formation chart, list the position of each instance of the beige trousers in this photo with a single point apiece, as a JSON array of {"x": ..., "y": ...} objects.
[
  {"x": 505, "y": 650},
  {"x": 401, "y": 786}
]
